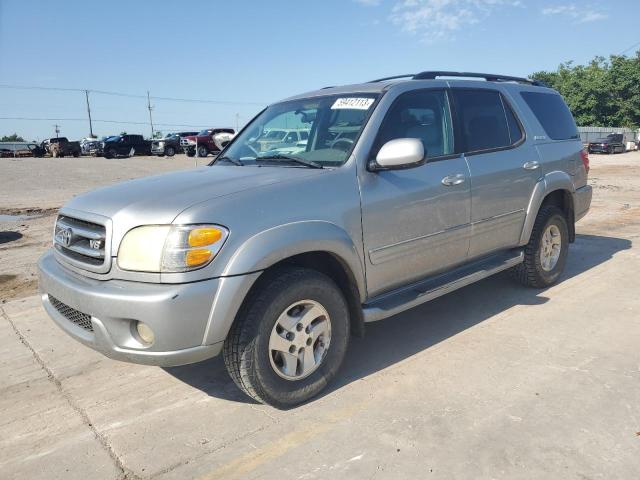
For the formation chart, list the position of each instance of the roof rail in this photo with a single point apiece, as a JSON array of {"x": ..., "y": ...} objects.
[
  {"x": 489, "y": 77},
  {"x": 395, "y": 77}
]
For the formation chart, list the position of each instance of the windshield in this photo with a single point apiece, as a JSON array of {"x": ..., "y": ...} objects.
[
  {"x": 203, "y": 133},
  {"x": 328, "y": 127}
]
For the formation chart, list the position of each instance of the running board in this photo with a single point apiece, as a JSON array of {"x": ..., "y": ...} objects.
[{"x": 397, "y": 301}]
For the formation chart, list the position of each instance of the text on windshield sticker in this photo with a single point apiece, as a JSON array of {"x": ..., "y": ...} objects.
[{"x": 352, "y": 103}]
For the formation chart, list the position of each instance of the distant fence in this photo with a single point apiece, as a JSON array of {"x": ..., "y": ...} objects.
[{"x": 589, "y": 134}]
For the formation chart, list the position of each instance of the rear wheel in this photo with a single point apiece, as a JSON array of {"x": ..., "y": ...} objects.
[
  {"x": 546, "y": 253},
  {"x": 290, "y": 337}
]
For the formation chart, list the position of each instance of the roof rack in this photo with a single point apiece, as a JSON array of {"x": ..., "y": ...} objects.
[{"x": 489, "y": 77}]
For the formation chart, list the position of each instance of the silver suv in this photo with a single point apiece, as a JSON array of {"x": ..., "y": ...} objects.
[{"x": 407, "y": 188}]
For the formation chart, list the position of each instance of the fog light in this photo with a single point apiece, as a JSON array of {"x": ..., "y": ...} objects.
[{"x": 145, "y": 332}]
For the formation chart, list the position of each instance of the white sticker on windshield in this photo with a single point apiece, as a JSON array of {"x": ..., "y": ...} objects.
[{"x": 352, "y": 103}]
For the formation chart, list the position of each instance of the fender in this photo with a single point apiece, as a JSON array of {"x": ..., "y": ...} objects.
[
  {"x": 266, "y": 249},
  {"x": 284, "y": 241},
  {"x": 552, "y": 181}
]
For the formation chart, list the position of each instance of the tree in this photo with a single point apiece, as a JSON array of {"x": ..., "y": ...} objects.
[
  {"x": 603, "y": 93},
  {"x": 12, "y": 138}
]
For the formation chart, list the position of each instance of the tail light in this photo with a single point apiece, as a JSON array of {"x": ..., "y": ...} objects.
[{"x": 585, "y": 159}]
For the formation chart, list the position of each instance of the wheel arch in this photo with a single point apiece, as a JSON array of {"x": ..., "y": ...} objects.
[
  {"x": 556, "y": 188},
  {"x": 318, "y": 245}
]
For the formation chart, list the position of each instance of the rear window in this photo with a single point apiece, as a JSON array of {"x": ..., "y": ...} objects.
[
  {"x": 486, "y": 122},
  {"x": 553, "y": 114}
]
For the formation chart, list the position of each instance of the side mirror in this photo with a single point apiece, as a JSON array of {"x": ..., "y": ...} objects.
[{"x": 400, "y": 153}]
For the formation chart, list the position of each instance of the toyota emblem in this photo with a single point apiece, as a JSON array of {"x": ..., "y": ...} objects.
[{"x": 65, "y": 236}]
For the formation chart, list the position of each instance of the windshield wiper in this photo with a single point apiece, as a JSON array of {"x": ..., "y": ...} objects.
[
  {"x": 235, "y": 161},
  {"x": 288, "y": 158}
]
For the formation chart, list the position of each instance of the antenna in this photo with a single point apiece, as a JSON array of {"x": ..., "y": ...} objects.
[{"x": 57, "y": 127}]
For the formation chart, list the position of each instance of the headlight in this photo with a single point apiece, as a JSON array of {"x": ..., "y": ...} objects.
[{"x": 166, "y": 248}]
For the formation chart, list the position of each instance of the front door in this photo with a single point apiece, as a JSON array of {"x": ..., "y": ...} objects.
[{"x": 416, "y": 221}]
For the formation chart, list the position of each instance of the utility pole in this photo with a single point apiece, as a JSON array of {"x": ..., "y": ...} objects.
[
  {"x": 150, "y": 108},
  {"x": 57, "y": 127},
  {"x": 86, "y": 94}
]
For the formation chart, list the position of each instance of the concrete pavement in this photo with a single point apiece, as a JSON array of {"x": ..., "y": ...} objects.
[{"x": 492, "y": 381}]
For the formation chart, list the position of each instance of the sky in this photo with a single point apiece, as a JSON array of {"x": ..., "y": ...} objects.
[{"x": 241, "y": 55}]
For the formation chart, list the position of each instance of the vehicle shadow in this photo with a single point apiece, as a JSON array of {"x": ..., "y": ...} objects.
[
  {"x": 9, "y": 236},
  {"x": 397, "y": 338}
]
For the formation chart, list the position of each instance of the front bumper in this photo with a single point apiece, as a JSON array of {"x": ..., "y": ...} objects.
[
  {"x": 582, "y": 201},
  {"x": 178, "y": 314},
  {"x": 596, "y": 148}
]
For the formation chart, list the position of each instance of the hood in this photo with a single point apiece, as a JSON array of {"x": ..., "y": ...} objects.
[{"x": 160, "y": 199}]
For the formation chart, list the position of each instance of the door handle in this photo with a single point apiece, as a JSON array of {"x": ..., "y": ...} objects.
[
  {"x": 451, "y": 180},
  {"x": 531, "y": 165}
]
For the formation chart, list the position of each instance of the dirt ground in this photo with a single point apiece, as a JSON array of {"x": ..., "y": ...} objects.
[
  {"x": 35, "y": 188},
  {"x": 493, "y": 381}
]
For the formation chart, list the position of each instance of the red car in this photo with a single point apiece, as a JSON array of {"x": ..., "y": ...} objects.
[{"x": 211, "y": 140}]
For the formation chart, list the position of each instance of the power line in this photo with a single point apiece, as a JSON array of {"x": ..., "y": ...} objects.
[
  {"x": 38, "y": 119},
  {"x": 131, "y": 95},
  {"x": 630, "y": 48}
]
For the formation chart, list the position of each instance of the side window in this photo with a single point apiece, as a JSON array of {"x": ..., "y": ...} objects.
[
  {"x": 553, "y": 114},
  {"x": 483, "y": 120},
  {"x": 422, "y": 114},
  {"x": 304, "y": 135},
  {"x": 515, "y": 133}
]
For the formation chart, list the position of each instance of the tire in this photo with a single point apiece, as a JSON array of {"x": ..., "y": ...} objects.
[
  {"x": 191, "y": 153},
  {"x": 169, "y": 151},
  {"x": 532, "y": 272},
  {"x": 259, "y": 370},
  {"x": 203, "y": 151},
  {"x": 76, "y": 154},
  {"x": 610, "y": 150},
  {"x": 111, "y": 153}
]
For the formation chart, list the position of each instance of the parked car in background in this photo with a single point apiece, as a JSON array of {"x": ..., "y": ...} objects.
[
  {"x": 30, "y": 150},
  {"x": 612, "y": 143},
  {"x": 124, "y": 146},
  {"x": 275, "y": 260},
  {"x": 210, "y": 140},
  {"x": 21, "y": 149},
  {"x": 89, "y": 145},
  {"x": 280, "y": 137},
  {"x": 170, "y": 144},
  {"x": 61, "y": 147}
]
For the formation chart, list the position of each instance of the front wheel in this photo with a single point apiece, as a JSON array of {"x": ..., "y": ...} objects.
[
  {"x": 203, "y": 151},
  {"x": 290, "y": 337},
  {"x": 546, "y": 253},
  {"x": 170, "y": 151}
]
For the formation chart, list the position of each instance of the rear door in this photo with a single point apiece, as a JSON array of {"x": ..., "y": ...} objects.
[
  {"x": 415, "y": 222},
  {"x": 504, "y": 167}
]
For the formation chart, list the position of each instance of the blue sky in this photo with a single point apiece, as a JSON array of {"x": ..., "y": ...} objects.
[{"x": 255, "y": 52}]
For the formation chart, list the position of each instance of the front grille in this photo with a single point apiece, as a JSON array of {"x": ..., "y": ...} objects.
[
  {"x": 74, "y": 316},
  {"x": 81, "y": 242}
]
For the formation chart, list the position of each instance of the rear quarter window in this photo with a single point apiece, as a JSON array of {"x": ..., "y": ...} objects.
[{"x": 553, "y": 114}]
